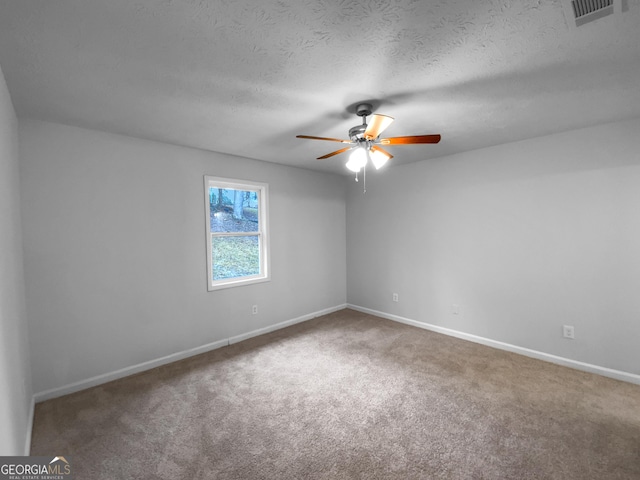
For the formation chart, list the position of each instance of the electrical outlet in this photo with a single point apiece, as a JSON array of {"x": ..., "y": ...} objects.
[
  {"x": 254, "y": 310},
  {"x": 395, "y": 297},
  {"x": 567, "y": 332}
]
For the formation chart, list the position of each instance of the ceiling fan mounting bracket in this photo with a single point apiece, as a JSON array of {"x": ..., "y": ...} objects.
[
  {"x": 356, "y": 134},
  {"x": 364, "y": 109}
]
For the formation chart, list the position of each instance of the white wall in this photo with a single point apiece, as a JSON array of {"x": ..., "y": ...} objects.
[
  {"x": 15, "y": 380},
  {"x": 114, "y": 245},
  {"x": 525, "y": 237}
]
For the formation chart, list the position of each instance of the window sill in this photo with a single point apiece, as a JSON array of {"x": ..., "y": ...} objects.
[{"x": 237, "y": 283}]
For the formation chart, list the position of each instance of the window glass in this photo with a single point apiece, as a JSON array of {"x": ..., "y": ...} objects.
[
  {"x": 233, "y": 210},
  {"x": 235, "y": 256}
]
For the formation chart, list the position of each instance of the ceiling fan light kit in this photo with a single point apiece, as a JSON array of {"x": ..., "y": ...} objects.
[
  {"x": 365, "y": 141},
  {"x": 357, "y": 159},
  {"x": 379, "y": 157}
]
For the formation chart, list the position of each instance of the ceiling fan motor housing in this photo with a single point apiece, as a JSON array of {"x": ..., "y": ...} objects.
[{"x": 357, "y": 133}]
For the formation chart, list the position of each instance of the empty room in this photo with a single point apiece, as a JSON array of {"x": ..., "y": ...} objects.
[{"x": 323, "y": 239}]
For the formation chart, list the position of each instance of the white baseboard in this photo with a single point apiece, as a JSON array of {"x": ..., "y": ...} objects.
[
  {"x": 27, "y": 443},
  {"x": 547, "y": 357},
  {"x": 288, "y": 323},
  {"x": 141, "y": 367},
  {"x": 125, "y": 372}
]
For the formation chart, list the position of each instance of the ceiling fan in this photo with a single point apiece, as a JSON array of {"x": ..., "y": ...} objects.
[{"x": 365, "y": 140}]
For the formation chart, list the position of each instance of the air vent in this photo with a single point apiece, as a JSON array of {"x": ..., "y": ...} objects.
[{"x": 579, "y": 12}]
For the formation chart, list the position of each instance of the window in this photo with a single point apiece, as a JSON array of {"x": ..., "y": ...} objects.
[{"x": 237, "y": 240}]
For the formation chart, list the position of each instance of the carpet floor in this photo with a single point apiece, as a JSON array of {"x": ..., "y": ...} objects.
[{"x": 344, "y": 396}]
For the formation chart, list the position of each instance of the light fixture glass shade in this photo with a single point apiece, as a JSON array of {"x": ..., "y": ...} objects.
[
  {"x": 357, "y": 159},
  {"x": 379, "y": 158}
]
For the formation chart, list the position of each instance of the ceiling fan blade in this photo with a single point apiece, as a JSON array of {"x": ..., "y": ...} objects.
[
  {"x": 377, "y": 124},
  {"x": 378, "y": 149},
  {"x": 311, "y": 137},
  {"x": 334, "y": 153},
  {"x": 410, "y": 140}
]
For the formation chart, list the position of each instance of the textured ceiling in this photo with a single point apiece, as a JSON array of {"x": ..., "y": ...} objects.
[{"x": 244, "y": 77}]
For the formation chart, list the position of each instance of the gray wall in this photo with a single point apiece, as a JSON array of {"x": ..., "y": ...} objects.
[
  {"x": 525, "y": 237},
  {"x": 15, "y": 377},
  {"x": 114, "y": 246}
]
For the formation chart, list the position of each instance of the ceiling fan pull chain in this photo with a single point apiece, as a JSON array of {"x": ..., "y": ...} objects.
[{"x": 364, "y": 179}]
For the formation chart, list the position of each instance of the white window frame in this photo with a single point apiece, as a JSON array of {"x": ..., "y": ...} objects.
[{"x": 262, "y": 190}]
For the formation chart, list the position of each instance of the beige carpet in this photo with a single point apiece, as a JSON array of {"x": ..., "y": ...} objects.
[{"x": 349, "y": 395}]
